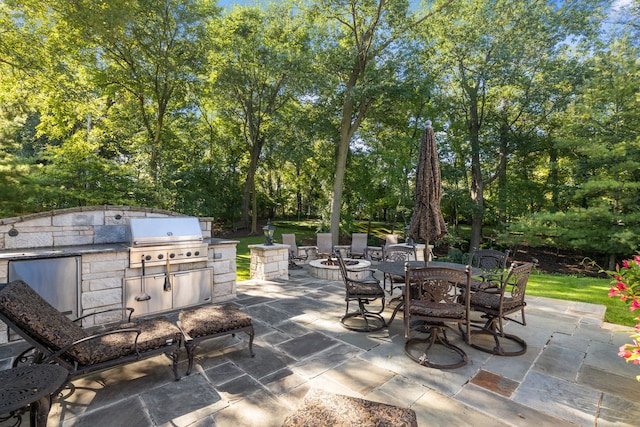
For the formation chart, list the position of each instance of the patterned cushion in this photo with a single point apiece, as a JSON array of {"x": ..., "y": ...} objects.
[
  {"x": 320, "y": 408},
  {"x": 436, "y": 309},
  {"x": 492, "y": 301},
  {"x": 36, "y": 317},
  {"x": 363, "y": 288},
  {"x": 155, "y": 333},
  {"x": 33, "y": 315},
  {"x": 213, "y": 319}
]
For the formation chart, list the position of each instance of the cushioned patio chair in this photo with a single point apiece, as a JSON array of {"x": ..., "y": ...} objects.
[
  {"x": 493, "y": 264},
  {"x": 362, "y": 290},
  {"x": 496, "y": 305},
  {"x": 434, "y": 299},
  {"x": 57, "y": 339},
  {"x": 397, "y": 253}
]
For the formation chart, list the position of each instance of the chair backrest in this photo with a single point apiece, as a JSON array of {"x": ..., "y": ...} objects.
[
  {"x": 290, "y": 239},
  {"x": 489, "y": 260},
  {"x": 359, "y": 244},
  {"x": 36, "y": 320},
  {"x": 434, "y": 294},
  {"x": 324, "y": 244},
  {"x": 517, "y": 279},
  {"x": 437, "y": 284},
  {"x": 396, "y": 253},
  {"x": 343, "y": 267}
]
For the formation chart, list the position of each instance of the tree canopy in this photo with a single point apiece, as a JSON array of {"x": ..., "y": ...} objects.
[{"x": 315, "y": 109}]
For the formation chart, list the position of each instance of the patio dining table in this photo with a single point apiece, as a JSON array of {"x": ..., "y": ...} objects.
[{"x": 397, "y": 268}]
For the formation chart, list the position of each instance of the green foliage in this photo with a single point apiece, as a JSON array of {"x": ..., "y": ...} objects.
[
  {"x": 591, "y": 230},
  {"x": 172, "y": 104}
]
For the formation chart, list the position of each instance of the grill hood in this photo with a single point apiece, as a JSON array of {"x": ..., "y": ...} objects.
[{"x": 163, "y": 231}]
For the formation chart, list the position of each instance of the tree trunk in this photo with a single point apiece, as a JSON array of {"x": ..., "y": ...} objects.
[
  {"x": 249, "y": 192},
  {"x": 477, "y": 185},
  {"x": 346, "y": 130}
]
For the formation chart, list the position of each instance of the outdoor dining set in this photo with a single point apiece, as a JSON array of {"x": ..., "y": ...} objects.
[{"x": 473, "y": 301}]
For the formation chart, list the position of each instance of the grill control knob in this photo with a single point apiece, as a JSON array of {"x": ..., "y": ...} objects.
[
  {"x": 188, "y": 253},
  {"x": 197, "y": 253},
  {"x": 172, "y": 255},
  {"x": 160, "y": 256},
  {"x": 148, "y": 257}
]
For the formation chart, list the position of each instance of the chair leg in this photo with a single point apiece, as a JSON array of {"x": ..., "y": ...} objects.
[
  {"x": 173, "y": 355},
  {"x": 373, "y": 321},
  {"x": 503, "y": 342},
  {"x": 399, "y": 307},
  {"x": 251, "y": 333},
  {"x": 191, "y": 351},
  {"x": 437, "y": 336}
]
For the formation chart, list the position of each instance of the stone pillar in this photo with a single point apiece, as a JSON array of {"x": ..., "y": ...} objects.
[
  {"x": 420, "y": 252},
  {"x": 269, "y": 262}
]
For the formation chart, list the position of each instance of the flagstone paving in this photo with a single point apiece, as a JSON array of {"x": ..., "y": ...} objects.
[{"x": 570, "y": 375}]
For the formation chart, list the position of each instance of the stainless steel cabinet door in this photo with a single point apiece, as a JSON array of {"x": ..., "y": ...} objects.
[
  {"x": 137, "y": 289},
  {"x": 192, "y": 287}
]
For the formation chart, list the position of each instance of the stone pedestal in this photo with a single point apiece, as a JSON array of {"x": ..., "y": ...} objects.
[
  {"x": 420, "y": 252},
  {"x": 269, "y": 262}
]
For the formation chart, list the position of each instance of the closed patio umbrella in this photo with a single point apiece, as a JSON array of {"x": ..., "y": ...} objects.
[{"x": 427, "y": 222}]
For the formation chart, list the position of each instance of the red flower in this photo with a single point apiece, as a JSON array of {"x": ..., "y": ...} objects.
[
  {"x": 625, "y": 263},
  {"x": 634, "y": 304},
  {"x": 621, "y": 286}
]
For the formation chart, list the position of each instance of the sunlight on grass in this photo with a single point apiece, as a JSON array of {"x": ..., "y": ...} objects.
[{"x": 583, "y": 289}]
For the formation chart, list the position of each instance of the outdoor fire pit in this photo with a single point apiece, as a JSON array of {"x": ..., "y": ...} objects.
[{"x": 328, "y": 269}]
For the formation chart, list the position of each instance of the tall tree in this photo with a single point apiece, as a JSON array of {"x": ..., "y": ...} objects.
[
  {"x": 491, "y": 48},
  {"x": 258, "y": 57},
  {"x": 149, "y": 54},
  {"x": 362, "y": 52}
]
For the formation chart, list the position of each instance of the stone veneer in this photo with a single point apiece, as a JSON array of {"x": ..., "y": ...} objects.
[
  {"x": 269, "y": 262},
  {"x": 97, "y": 234}
]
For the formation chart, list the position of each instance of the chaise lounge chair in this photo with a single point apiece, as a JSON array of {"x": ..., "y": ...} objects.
[{"x": 57, "y": 339}]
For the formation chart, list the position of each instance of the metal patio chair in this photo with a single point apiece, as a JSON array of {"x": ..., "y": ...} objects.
[
  {"x": 358, "y": 248},
  {"x": 496, "y": 305},
  {"x": 493, "y": 264},
  {"x": 397, "y": 253},
  {"x": 324, "y": 243},
  {"x": 295, "y": 253},
  {"x": 436, "y": 297},
  {"x": 362, "y": 291}
]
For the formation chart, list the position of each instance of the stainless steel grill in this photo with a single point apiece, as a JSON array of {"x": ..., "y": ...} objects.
[{"x": 159, "y": 241}]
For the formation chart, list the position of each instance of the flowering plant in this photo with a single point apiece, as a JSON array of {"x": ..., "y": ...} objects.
[{"x": 625, "y": 284}]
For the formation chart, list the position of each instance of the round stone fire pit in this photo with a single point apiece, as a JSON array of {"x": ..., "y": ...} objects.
[{"x": 323, "y": 269}]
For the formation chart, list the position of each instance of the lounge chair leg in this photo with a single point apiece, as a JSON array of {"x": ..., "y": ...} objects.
[
  {"x": 174, "y": 359},
  {"x": 191, "y": 352},
  {"x": 251, "y": 334}
]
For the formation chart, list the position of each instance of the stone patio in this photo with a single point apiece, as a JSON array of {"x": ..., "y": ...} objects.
[{"x": 570, "y": 375}]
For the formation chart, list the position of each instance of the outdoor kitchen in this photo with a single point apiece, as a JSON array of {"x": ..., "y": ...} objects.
[{"x": 88, "y": 259}]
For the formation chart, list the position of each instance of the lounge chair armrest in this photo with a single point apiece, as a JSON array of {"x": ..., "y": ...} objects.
[
  {"x": 93, "y": 337},
  {"x": 129, "y": 309},
  {"x": 187, "y": 337}
]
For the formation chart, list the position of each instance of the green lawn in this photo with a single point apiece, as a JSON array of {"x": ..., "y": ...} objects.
[
  {"x": 572, "y": 288},
  {"x": 582, "y": 289}
]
